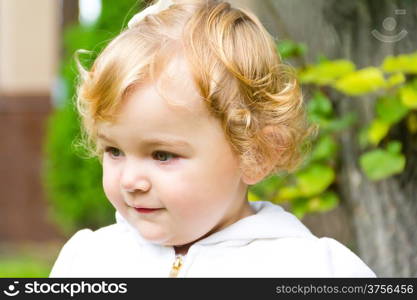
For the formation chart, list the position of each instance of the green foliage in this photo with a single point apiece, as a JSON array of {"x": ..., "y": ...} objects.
[
  {"x": 310, "y": 181},
  {"x": 395, "y": 79},
  {"x": 377, "y": 131},
  {"x": 289, "y": 49},
  {"x": 408, "y": 94},
  {"x": 406, "y": 63},
  {"x": 321, "y": 203},
  {"x": 326, "y": 72},
  {"x": 326, "y": 148},
  {"x": 361, "y": 82},
  {"x": 412, "y": 122},
  {"x": 397, "y": 102},
  {"x": 379, "y": 164},
  {"x": 72, "y": 182},
  {"x": 320, "y": 112},
  {"x": 314, "y": 179},
  {"x": 324, "y": 202},
  {"x": 310, "y": 189},
  {"x": 319, "y": 108},
  {"x": 390, "y": 109}
]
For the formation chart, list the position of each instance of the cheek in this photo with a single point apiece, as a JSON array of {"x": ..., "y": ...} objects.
[
  {"x": 181, "y": 194},
  {"x": 177, "y": 191},
  {"x": 213, "y": 174},
  {"x": 194, "y": 194},
  {"x": 221, "y": 174},
  {"x": 111, "y": 184}
]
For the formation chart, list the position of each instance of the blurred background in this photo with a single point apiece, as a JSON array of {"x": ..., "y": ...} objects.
[{"x": 357, "y": 63}]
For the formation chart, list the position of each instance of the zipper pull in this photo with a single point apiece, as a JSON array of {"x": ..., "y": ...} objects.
[{"x": 176, "y": 266}]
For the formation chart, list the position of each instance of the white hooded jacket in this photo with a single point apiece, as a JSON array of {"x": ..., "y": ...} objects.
[{"x": 270, "y": 243}]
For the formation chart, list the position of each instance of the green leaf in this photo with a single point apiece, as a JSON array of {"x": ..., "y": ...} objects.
[
  {"x": 326, "y": 72},
  {"x": 395, "y": 79},
  {"x": 394, "y": 147},
  {"x": 319, "y": 105},
  {"x": 324, "y": 202},
  {"x": 287, "y": 193},
  {"x": 361, "y": 82},
  {"x": 333, "y": 124},
  {"x": 314, "y": 179},
  {"x": 340, "y": 123},
  {"x": 380, "y": 164},
  {"x": 320, "y": 112},
  {"x": 406, "y": 63},
  {"x": 267, "y": 187},
  {"x": 288, "y": 49},
  {"x": 408, "y": 94},
  {"x": 378, "y": 129},
  {"x": 299, "y": 207},
  {"x": 325, "y": 148},
  {"x": 390, "y": 109}
]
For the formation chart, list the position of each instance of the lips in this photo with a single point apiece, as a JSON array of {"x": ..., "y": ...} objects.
[{"x": 146, "y": 210}]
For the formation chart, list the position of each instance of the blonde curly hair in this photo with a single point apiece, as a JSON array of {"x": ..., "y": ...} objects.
[{"x": 235, "y": 67}]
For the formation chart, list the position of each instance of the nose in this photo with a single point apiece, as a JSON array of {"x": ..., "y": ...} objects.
[
  {"x": 133, "y": 178},
  {"x": 141, "y": 185}
]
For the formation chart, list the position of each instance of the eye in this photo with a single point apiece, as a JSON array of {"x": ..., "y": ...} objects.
[
  {"x": 113, "y": 152},
  {"x": 163, "y": 156}
]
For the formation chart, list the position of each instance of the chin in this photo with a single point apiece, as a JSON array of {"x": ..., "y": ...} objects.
[
  {"x": 154, "y": 237},
  {"x": 164, "y": 241}
]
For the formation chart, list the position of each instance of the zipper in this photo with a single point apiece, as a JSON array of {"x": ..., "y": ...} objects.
[{"x": 176, "y": 266}]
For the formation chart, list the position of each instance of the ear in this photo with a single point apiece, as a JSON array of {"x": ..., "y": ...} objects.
[
  {"x": 247, "y": 176},
  {"x": 250, "y": 180}
]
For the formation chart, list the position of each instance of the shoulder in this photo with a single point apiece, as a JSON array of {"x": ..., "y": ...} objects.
[
  {"x": 88, "y": 237},
  {"x": 307, "y": 256},
  {"x": 86, "y": 246},
  {"x": 344, "y": 262},
  {"x": 313, "y": 256},
  {"x": 69, "y": 253}
]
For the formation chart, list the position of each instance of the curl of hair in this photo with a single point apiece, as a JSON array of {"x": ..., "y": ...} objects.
[{"x": 235, "y": 67}]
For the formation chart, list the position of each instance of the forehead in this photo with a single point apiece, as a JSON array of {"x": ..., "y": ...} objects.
[
  {"x": 176, "y": 85},
  {"x": 171, "y": 102}
]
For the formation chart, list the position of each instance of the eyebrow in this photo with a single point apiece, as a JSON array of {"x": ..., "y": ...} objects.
[{"x": 153, "y": 141}]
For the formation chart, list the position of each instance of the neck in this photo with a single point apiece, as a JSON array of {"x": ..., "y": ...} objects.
[
  {"x": 182, "y": 250},
  {"x": 246, "y": 210}
]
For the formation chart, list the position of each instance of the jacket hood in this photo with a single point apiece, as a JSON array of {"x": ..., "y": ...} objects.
[{"x": 269, "y": 221}]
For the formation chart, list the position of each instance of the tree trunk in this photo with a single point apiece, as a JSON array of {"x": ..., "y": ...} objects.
[{"x": 383, "y": 214}]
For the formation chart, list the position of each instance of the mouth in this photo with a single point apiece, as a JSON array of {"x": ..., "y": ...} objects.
[{"x": 146, "y": 210}]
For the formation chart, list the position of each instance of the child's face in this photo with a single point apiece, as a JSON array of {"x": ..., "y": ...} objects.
[{"x": 196, "y": 186}]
